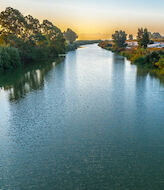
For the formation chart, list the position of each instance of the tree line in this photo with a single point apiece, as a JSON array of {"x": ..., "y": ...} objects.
[
  {"x": 120, "y": 37},
  {"x": 24, "y": 39}
]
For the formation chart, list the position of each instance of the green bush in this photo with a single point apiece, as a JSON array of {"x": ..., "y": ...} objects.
[
  {"x": 160, "y": 63},
  {"x": 150, "y": 59},
  {"x": 9, "y": 58},
  {"x": 71, "y": 47}
]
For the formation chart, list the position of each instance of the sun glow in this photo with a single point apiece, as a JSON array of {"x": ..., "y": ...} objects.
[{"x": 94, "y": 19}]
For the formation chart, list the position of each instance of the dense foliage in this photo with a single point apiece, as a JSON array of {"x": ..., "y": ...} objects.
[
  {"x": 9, "y": 58},
  {"x": 32, "y": 39},
  {"x": 153, "y": 59}
]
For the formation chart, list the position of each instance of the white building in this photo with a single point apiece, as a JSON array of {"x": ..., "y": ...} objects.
[{"x": 155, "y": 45}]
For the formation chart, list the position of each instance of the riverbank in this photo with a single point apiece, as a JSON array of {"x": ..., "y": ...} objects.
[
  {"x": 12, "y": 58},
  {"x": 151, "y": 59},
  {"x": 78, "y": 43}
]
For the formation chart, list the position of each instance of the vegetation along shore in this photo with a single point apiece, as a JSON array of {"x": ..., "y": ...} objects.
[
  {"x": 147, "y": 50},
  {"x": 24, "y": 40}
]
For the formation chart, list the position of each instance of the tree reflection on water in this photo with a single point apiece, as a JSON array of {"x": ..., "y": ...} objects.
[{"x": 24, "y": 80}]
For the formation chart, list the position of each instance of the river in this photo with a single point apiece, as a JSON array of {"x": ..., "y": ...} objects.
[{"x": 91, "y": 121}]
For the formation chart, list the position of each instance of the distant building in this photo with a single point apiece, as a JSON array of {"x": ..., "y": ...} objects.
[
  {"x": 154, "y": 45},
  {"x": 132, "y": 44}
]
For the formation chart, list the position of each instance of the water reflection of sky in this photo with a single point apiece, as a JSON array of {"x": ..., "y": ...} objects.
[{"x": 87, "y": 123}]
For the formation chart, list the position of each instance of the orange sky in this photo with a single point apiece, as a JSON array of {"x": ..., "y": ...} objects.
[{"x": 95, "y": 19}]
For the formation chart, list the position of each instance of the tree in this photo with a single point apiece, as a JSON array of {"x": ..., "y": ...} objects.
[
  {"x": 32, "y": 39},
  {"x": 33, "y": 26},
  {"x": 143, "y": 38},
  {"x": 156, "y": 35},
  {"x": 130, "y": 36},
  {"x": 13, "y": 22},
  {"x": 55, "y": 37},
  {"x": 119, "y": 39},
  {"x": 70, "y": 35}
]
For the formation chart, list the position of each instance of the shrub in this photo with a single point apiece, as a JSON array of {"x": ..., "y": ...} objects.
[
  {"x": 139, "y": 60},
  {"x": 127, "y": 54},
  {"x": 9, "y": 58},
  {"x": 137, "y": 56},
  {"x": 160, "y": 63},
  {"x": 71, "y": 47}
]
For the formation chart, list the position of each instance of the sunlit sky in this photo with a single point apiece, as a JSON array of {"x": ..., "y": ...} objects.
[{"x": 95, "y": 19}]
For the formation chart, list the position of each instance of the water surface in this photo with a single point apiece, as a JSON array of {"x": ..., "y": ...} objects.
[{"x": 91, "y": 122}]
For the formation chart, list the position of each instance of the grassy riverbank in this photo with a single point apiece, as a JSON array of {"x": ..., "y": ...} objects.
[
  {"x": 153, "y": 59},
  {"x": 150, "y": 58}
]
